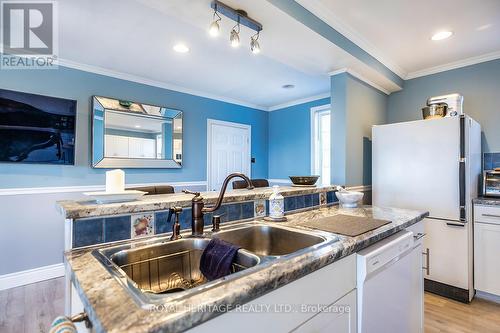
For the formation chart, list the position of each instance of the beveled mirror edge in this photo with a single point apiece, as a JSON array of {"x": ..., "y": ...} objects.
[{"x": 131, "y": 163}]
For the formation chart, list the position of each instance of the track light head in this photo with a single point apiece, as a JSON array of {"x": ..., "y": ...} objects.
[
  {"x": 254, "y": 44},
  {"x": 234, "y": 37},
  {"x": 214, "y": 28}
]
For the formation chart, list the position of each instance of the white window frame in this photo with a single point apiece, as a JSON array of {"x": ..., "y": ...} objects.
[{"x": 314, "y": 111}]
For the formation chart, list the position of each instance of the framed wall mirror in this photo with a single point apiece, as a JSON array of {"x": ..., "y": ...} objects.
[{"x": 134, "y": 135}]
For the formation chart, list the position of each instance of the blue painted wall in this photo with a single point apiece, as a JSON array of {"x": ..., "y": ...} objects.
[
  {"x": 79, "y": 85},
  {"x": 480, "y": 86},
  {"x": 290, "y": 140},
  {"x": 356, "y": 107}
]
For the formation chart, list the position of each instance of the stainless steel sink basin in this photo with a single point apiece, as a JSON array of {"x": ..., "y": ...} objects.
[
  {"x": 266, "y": 240},
  {"x": 164, "y": 269},
  {"x": 157, "y": 270}
]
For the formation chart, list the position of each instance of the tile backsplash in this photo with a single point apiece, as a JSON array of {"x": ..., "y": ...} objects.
[
  {"x": 491, "y": 161},
  {"x": 92, "y": 231}
]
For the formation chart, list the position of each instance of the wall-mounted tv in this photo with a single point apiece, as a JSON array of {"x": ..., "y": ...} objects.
[{"x": 36, "y": 129}]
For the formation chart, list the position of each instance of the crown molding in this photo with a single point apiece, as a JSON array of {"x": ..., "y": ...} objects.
[
  {"x": 142, "y": 80},
  {"x": 299, "y": 101},
  {"x": 454, "y": 65},
  {"x": 359, "y": 77},
  {"x": 329, "y": 17}
]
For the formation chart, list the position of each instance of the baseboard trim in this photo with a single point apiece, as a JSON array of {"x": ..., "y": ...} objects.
[
  {"x": 488, "y": 296},
  {"x": 442, "y": 289},
  {"x": 87, "y": 188},
  {"x": 29, "y": 276}
]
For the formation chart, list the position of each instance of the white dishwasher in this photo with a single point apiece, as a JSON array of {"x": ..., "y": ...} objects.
[{"x": 390, "y": 285}]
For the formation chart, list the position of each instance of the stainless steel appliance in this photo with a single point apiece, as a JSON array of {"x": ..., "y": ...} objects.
[
  {"x": 434, "y": 165},
  {"x": 491, "y": 183}
]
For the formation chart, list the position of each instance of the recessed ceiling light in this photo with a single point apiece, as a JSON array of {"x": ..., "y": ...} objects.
[
  {"x": 288, "y": 86},
  {"x": 137, "y": 126},
  {"x": 441, "y": 35},
  {"x": 181, "y": 48}
]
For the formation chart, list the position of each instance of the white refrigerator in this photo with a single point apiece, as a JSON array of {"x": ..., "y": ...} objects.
[{"x": 433, "y": 165}]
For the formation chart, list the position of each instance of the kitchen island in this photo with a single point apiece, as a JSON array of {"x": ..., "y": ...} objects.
[{"x": 112, "y": 309}]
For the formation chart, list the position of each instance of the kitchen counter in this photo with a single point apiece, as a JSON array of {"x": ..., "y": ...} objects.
[
  {"x": 111, "y": 308},
  {"x": 89, "y": 208},
  {"x": 487, "y": 201}
]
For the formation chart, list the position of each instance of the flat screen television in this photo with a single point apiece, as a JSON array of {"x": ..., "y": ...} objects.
[{"x": 36, "y": 129}]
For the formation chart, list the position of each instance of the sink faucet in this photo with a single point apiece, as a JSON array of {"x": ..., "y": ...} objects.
[{"x": 198, "y": 206}]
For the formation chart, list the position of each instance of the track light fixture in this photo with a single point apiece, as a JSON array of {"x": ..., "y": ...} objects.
[
  {"x": 214, "y": 28},
  {"x": 254, "y": 44},
  {"x": 241, "y": 18},
  {"x": 234, "y": 37}
]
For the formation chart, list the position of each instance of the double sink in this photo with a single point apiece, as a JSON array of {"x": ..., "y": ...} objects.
[{"x": 159, "y": 270}]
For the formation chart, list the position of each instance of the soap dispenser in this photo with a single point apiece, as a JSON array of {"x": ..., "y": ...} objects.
[{"x": 276, "y": 206}]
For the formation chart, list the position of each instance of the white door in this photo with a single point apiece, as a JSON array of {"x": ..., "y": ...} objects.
[
  {"x": 416, "y": 166},
  {"x": 228, "y": 151}
]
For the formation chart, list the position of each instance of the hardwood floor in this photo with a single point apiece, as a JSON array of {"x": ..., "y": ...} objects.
[
  {"x": 443, "y": 315},
  {"x": 31, "y": 309}
]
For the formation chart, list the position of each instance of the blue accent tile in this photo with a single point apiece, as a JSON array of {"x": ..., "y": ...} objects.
[
  {"x": 315, "y": 199},
  {"x": 267, "y": 207},
  {"x": 222, "y": 211},
  {"x": 233, "y": 212},
  {"x": 162, "y": 225},
  {"x": 207, "y": 219},
  {"x": 116, "y": 228},
  {"x": 308, "y": 200},
  {"x": 330, "y": 197},
  {"x": 185, "y": 218},
  {"x": 88, "y": 232},
  {"x": 290, "y": 203},
  {"x": 247, "y": 210},
  {"x": 488, "y": 161},
  {"x": 299, "y": 202},
  {"x": 495, "y": 160}
]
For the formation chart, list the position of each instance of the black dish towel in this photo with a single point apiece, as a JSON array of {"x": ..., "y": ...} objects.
[{"x": 217, "y": 258}]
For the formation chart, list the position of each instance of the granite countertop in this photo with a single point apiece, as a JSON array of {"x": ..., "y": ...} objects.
[
  {"x": 487, "y": 201},
  {"x": 112, "y": 309},
  {"x": 89, "y": 208}
]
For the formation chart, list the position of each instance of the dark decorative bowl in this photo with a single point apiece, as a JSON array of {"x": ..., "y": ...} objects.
[{"x": 304, "y": 180}]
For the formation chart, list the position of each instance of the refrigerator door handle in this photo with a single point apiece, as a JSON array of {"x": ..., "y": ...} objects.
[
  {"x": 461, "y": 170},
  {"x": 455, "y": 224}
]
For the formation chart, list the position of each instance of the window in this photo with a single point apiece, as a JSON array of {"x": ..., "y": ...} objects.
[{"x": 320, "y": 143}]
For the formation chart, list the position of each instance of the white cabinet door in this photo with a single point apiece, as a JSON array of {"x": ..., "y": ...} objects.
[
  {"x": 135, "y": 148},
  {"x": 448, "y": 253},
  {"x": 282, "y": 310},
  {"x": 116, "y": 146},
  {"x": 338, "y": 317},
  {"x": 486, "y": 261},
  {"x": 149, "y": 148},
  {"x": 77, "y": 308}
]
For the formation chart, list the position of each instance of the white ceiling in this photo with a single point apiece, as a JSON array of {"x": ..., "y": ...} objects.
[
  {"x": 398, "y": 32},
  {"x": 134, "y": 40}
]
